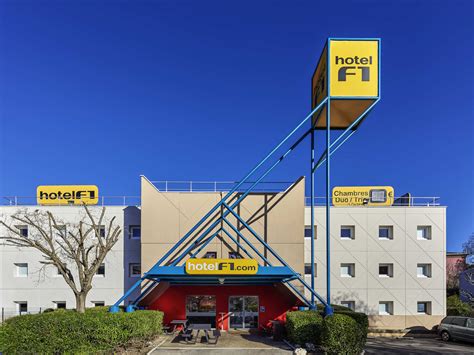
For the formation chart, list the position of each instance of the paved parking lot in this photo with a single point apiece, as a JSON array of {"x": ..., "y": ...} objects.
[{"x": 416, "y": 346}]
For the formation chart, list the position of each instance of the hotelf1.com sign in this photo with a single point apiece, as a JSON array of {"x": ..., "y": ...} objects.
[
  {"x": 348, "y": 72},
  {"x": 362, "y": 196},
  {"x": 67, "y": 194},
  {"x": 221, "y": 266}
]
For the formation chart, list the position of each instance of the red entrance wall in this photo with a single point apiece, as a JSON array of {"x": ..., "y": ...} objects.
[{"x": 276, "y": 300}]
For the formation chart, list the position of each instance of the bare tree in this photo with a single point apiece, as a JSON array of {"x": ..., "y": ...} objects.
[{"x": 76, "y": 250}]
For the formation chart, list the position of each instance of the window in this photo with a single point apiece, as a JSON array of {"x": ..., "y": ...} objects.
[
  {"x": 385, "y": 232},
  {"x": 385, "y": 308},
  {"x": 458, "y": 321},
  {"x": 307, "y": 269},
  {"x": 98, "y": 303},
  {"x": 348, "y": 304},
  {"x": 21, "y": 270},
  {"x": 23, "y": 230},
  {"x": 210, "y": 255},
  {"x": 347, "y": 232},
  {"x": 470, "y": 323},
  {"x": 135, "y": 270},
  {"x": 135, "y": 232},
  {"x": 101, "y": 232},
  {"x": 60, "y": 304},
  {"x": 423, "y": 270},
  {"x": 423, "y": 233},
  {"x": 423, "y": 307},
  {"x": 385, "y": 270},
  {"x": 101, "y": 270},
  {"x": 234, "y": 255},
  {"x": 307, "y": 232},
  {"x": 347, "y": 270},
  {"x": 21, "y": 307},
  {"x": 200, "y": 304}
]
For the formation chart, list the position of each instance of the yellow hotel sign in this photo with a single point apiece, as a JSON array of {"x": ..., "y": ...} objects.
[
  {"x": 348, "y": 73},
  {"x": 362, "y": 196},
  {"x": 67, "y": 195},
  {"x": 221, "y": 266}
]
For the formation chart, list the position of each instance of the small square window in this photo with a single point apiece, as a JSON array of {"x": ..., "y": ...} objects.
[
  {"x": 23, "y": 230},
  {"x": 135, "y": 270},
  {"x": 423, "y": 307},
  {"x": 101, "y": 270},
  {"x": 348, "y": 304},
  {"x": 347, "y": 232},
  {"x": 385, "y": 232},
  {"x": 210, "y": 255},
  {"x": 100, "y": 231},
  {"x": 307, "y": 232},
  {"x": 347, "y": 270},
  {"x": 307, "y": 269},
  {"x": 21, "y": 269},
  {"x": 135, "y": 232},
  {"x": 60, "y": 304},
  {"x": 98, "y": 303},
  {"x": 423, "y": 270},
  {"x": 22, "y": 307},
  {"x": 385, "y": 308},
  {"x": 423, "y": 232},
  {"x": 234, "y": 255},
  {"x": 385, "y": 270}
]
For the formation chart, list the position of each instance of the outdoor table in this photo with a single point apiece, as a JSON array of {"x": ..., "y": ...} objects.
[
  {"x": 177, "y": 322},
  {"x": 205, "y": 327}
]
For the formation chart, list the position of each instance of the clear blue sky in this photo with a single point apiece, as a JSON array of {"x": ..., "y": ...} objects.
[{"x": 101, "y": 92}]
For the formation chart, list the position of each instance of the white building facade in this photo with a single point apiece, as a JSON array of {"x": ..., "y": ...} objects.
[
  {"x": 389, "y": 262},
  {"x": 27, "y": 286}
]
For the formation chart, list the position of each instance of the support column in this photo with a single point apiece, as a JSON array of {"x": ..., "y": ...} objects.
[
  {"x": 313, "y": 306},
  {"x": 328, "y": 309}
]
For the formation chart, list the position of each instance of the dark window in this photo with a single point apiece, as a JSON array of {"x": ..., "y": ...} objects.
[
  {"x": 101, "y": 270},
  {"x": 210, "y": 255},
  {"x": 234, "y": 255},
  {"x": 99, "y": 304},
  {"x": 135, "y": 232},
  {"x": 23, "y": 230},
  {"x": 307, "y": 232},
  {"x": 22, "y": 307},
  {"x": 347, "y": 232},
  {"x": 459, "y": 321},
  {"x": 61, "y": 305},
  {"x": 447, "y": 320}
]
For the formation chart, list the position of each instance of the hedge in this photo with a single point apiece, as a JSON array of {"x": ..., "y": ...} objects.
[
  {"x": 66, "y": 331},
  {"x": 304, "y": 327},
  {"x": 342, "y": 335}
]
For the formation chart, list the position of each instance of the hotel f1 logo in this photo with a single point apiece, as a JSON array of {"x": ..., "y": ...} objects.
[
  {"x": 221, "y": 266},
  {"x": 67, "y": 195},
  {"x": 354, "y": 68}
]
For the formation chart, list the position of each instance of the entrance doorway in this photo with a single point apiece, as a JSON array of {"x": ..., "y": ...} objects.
[{"x": 243, "y": 312}]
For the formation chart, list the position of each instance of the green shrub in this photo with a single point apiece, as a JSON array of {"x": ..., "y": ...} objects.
[
  {"x": 68, "y": 331},
  {"x": 304, "y": 327},
  {"x": 455, "y": 307},
  {"x": 360, "y": 318},
  {"x": 341, "y": 334}
]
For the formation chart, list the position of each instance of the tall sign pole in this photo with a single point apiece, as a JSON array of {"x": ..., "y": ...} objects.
[{"x": 313, "y": 306}]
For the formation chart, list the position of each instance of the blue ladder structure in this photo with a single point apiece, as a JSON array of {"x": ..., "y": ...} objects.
[{"x": 166, "y": 270}]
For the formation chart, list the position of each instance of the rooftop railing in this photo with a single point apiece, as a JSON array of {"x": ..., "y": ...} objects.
[{"x": 209, "y": 186}]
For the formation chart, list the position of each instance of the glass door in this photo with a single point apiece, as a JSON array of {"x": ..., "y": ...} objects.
[{"x": 243, "y": 312}]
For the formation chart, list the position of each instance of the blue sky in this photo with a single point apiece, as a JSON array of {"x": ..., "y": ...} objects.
[{"x": 100, "y": 92}]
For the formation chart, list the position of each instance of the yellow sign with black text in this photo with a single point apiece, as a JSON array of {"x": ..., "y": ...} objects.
[
  {"x": 354, "y": 68},
  {"x": 221, "y": 266},
  {"x": 362, "y": 196},
  {"x": 67, "y": 195}
]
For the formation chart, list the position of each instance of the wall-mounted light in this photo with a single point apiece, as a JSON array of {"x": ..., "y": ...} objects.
[{"x": 221, "y": 280}]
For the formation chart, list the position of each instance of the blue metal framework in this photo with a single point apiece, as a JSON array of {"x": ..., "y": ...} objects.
[{"x": 168, "y": 270}]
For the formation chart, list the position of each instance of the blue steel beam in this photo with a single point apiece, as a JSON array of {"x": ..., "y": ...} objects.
[
  {"x": 145, "y": 292},
  {"x": 328, "y": 309},
  {"x": 235, "y": 188},
  {"x": 193, "y": 255},
  {"x": 275, "y": 254},
  {"x": 241, "y": 197},
  {"x": 337, "y": 143},
  {"x": 237, "y": 242},
  {"x": 312, "y": 215}
]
